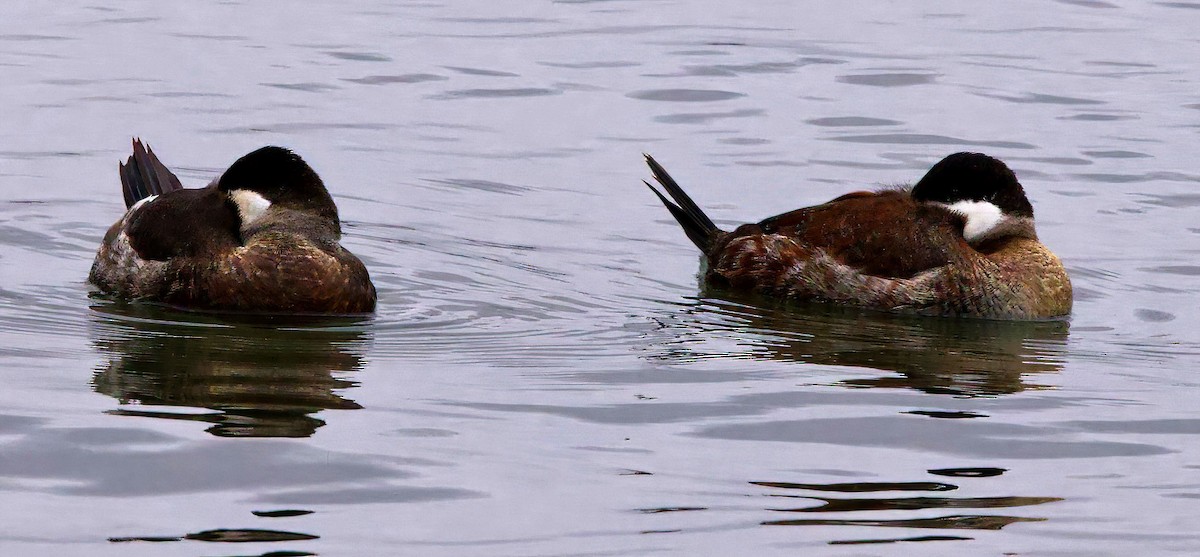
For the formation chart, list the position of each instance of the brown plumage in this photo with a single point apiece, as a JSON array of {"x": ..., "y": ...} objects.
[
  {"x": 912, "y": 250},
  {"x": 261, "y": 238}
]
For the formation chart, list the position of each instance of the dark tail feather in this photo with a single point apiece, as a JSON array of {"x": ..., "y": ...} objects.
[
  {"x": 144, "y": 175},
  {"x": 698, "y": 227}
]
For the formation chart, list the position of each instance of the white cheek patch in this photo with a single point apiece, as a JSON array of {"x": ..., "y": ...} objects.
[
  {"x": 250, "y": 205},
  {"x": 981, "y": 217}
]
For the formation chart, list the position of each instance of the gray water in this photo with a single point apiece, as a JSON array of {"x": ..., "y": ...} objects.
[{"x": 544, "y": 376}]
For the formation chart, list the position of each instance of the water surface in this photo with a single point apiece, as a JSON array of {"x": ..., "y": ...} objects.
[{"x": 544, "y": 375}]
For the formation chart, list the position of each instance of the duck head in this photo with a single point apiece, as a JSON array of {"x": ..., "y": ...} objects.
[
  {"x": 983, "y": 191},
  {"x": 275, "y": 177}
]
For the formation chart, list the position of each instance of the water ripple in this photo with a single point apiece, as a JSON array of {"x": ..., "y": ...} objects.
[
  {"x": 929, "y": 139},
  {"x": 684, "y": 95},
  {"x": 888, "y": 79},
  {"x": 496, "y": 93}
]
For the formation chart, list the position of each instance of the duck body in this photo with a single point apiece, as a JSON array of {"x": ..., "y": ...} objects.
[
  {"x": 262, "y": 238},
  {"x": 959, "y": 243}
]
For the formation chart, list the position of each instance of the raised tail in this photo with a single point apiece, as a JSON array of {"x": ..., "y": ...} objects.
[
  {"x": 698, "y": 227},
  {"x": 143, "y": 175}
]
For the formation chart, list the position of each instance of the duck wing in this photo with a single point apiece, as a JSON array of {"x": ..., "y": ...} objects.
[
  {"x": 881, "y": 234},
  {"x": 183, "y": 223}
]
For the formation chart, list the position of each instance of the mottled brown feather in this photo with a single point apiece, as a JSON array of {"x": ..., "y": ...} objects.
[{"x": 883, "y": 234}]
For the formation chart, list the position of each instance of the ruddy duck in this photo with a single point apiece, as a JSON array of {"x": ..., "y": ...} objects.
[
  {"x": 959, "y": 242},
  {"x": 263, "y": 237}
]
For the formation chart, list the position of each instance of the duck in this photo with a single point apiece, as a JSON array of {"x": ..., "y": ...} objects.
[
  {"x": 263, "y": 237},
  {"x": 960, "y": 242}
]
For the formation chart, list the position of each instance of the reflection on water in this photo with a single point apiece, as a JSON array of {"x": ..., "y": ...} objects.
[
  {"x": 967, "y": 522},
  {"x": 237, "y": 535},
  {"x": 228, "y": 535},
  {"x": 965, "y": 357},
  {"x": 891, "y": 505},
  {"x": 968, "y": 472},
  {"x": 262, "y": 379},
  {"x": 863, "y": 487}
]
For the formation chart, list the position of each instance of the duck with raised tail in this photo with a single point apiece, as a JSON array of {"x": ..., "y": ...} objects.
[
  {"x": 961, "y": 242},
  {"x": 261, "y": 238}
]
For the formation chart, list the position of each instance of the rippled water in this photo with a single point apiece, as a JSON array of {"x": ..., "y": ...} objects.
[{"x": 544, "y": 376}]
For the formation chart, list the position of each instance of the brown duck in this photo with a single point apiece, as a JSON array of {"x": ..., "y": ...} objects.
[
  {"x": 961, "y": 242},
  {"x": 262, "y": 238}
]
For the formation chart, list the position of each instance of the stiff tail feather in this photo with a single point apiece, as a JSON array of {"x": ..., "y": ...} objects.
[
  {"x": 698, "y": 227},
  {"x": 143, "y": 175}
]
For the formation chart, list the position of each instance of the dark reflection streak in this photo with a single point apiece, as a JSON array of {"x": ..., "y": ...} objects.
[
  {"x": 263, "y": 378},
  {"x": 146, "y": 539},
  {"x": 248, "y": 535},
  {"x": 956, "y": 522},
  {"x": 671, "y": 510},
  {"x": 243, "y": 535},
  {"x": 865, "y": 487},
  {"x": 242, "y": 422},
  {"x": 968, "y": 472},
  {"x": 915, "y": 503},
  {"x": 948, "y": 415},
  {"x": 898, "y": 540},
  {"x": 281, "y": 513}
]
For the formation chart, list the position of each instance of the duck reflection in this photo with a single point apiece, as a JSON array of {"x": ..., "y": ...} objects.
[
  {"x": 965, "y": 357},
  {"x": 261, "y": 379}
]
